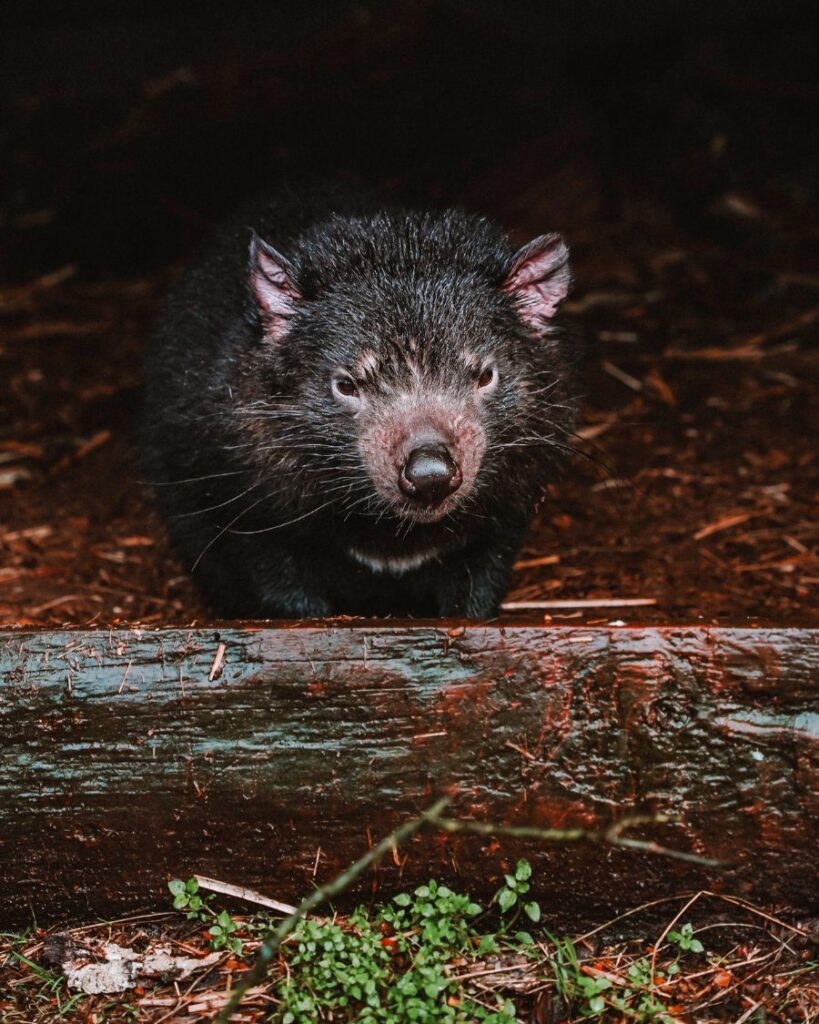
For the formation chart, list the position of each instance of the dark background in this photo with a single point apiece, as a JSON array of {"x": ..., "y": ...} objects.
[{"x": 128, "y": 127}]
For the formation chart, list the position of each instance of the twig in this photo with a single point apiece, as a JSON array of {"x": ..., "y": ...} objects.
[
  {"x": 486, "y": 972},
  {"x": 125, "y": 675},
  {"x": 602, "y": 602},
  {"x": 216, "y": 667},
  {"x": 520, "y": 750},
  {"x": 65, "y": 599},
  {"x": 594, "y": 430},
  {"x": 789, "y": 327},
  {"x": 739, "y": 902},
  {"x": 751, "y": 1009},
  {"x": 55, "y": 328},
  {"x": 241, "y": 893},
  {"x": 802, "y": 280},
  {"x": 622, "y": 376},
  {"x": 30, "y": 533},
  {"x": 610, "y": 836},
  {"x": 433, "y": 818},
  {"x": 596, "y": 972},
  {"x": 182, "y": 996},
  {"x": 629, "y": 913},
  {"x": 667, "y": 929},
  {"x": 736, "y": 900},
  {"x": 97, "y": 441},
  {"x": 766, "y": 961},
  {"x": 724, "y": 524},
  {"x": 719, "y": 355},
  {"x": 532, "y": 563},
  {"x": 132, "y": 919}
]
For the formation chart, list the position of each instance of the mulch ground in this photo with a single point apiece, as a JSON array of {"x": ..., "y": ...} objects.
[
  {"x": 694, "y": 486},
  {"x": 755, "y": 967}
]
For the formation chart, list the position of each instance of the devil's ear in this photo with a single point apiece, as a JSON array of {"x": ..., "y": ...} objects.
[
  {"x": 539, "y": 278},
  {"x": 273, "y": 287}
]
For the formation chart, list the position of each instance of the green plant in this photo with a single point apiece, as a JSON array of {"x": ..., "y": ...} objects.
[
  {"x": 221, "y": 934},
  {"x": 186, "y": 897},
  {"x": 388, "y": 966},
  {"x": 439, "y": 916},
  {"x": 391, "y": 966},
  {"x": 220, "y": 926},
  {"x": 591, "y": 990},
  {"x": 685, "y": 940},
  {"x": 592, "y": 993},
  {"x": 639, "y": 999},
  {"x": 394, "y": 964},
  {"x": 510, "y": 898}
]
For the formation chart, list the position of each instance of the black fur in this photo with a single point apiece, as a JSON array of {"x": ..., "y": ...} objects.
[{"x": 257, "y": 467}]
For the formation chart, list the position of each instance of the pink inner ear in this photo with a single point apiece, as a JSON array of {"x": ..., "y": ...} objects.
[
  {"x": 539, "y": 278},
  {"x": 272, "y": 286}
]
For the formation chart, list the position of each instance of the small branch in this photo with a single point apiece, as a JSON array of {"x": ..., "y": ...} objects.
[
  {"x": 216, "y": 667},
  {"x": 611, "y": 836},
  {"x": 783, "y": 330},
  {"x": 433, "y": 818},
  {"x": 665, "y": 851},
  {"x": 622, "y": 376},
  {"x": 665, "y": 932},
  {"x": 241, "y": 893},
  {"x": 602, "y": 602},
  {"x": 533, "y": 563},
  {"x": 724, "y": 524}
]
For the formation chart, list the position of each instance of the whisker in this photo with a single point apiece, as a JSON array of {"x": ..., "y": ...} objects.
[
  {"x": 190, "y": 479},
  {"x": 212, "y": 508},
  {"x": 225, "y": 529},
  {"x": 280, "y": 526}
]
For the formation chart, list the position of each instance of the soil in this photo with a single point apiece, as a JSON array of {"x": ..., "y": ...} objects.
[{"x": 687, "y": 193}]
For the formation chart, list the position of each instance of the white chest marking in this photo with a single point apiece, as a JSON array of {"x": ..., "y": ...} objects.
[{"x": 396, "y": 566}]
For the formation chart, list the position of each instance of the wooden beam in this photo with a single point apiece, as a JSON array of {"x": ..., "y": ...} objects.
[{"x": 132, "y": 756}]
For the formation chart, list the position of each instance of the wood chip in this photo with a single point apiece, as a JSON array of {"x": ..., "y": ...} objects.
[
  {"x": 97, "y": 441},
  {"x": 724, "y": 524},
  {"x": 594, "y": 430},
  {"x": 65, "y": 599},
  {"x": 602, "y": 602},
  {"x": 718, "y": 355},
  {"x": 55, "y": 328},
  {"x": 532, "y": 563},
  {"x": 10, "y": 477},
  {"x": 30, "y": 533},
  {"x": 783, "y": 330},
  {"x": 622, "y": 376}
]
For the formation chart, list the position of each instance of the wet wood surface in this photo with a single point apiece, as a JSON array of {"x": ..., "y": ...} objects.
[{"x": 258, "y": 755}]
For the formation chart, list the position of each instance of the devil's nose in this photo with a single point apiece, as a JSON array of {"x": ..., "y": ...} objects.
[{"x": 429, "y": 475}]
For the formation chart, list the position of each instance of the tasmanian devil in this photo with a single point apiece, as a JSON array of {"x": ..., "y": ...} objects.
[{"x": 354, "y": 409}]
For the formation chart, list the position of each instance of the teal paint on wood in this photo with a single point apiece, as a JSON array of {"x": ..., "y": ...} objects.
[{"x": 124, "y": 763}]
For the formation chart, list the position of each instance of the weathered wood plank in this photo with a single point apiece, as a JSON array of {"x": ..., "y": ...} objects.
[{"x": 123, "y": 763}]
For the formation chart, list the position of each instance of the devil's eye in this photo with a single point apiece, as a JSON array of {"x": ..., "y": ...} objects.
[
  {"x": 486, "y": 376},
  {"x": 346, "y": 386}
]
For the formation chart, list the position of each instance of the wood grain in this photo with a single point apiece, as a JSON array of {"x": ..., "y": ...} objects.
[{"x": 127, "y": 760}]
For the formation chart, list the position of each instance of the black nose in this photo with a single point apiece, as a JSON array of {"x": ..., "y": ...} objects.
[{"x": 429, "y": 475}]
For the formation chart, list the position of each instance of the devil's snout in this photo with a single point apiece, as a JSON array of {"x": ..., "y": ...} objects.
[{"x": 429, "y": 475}]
